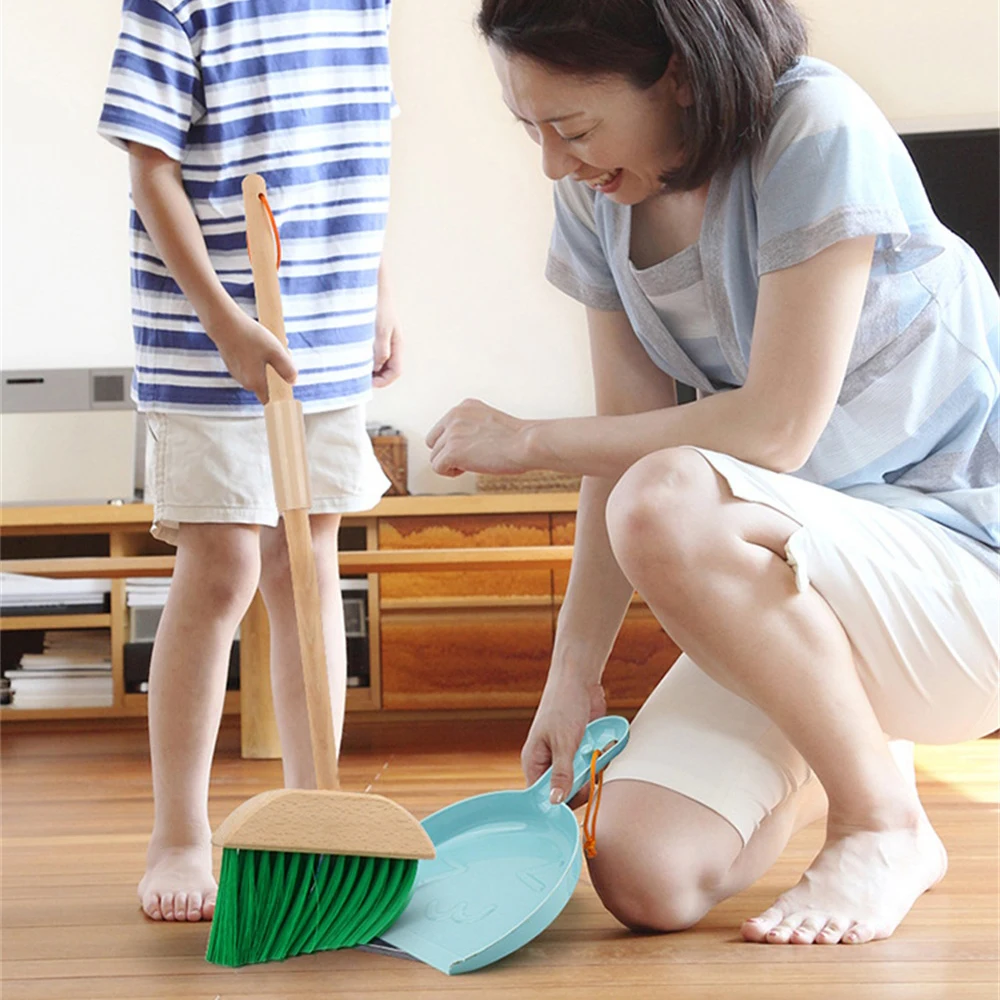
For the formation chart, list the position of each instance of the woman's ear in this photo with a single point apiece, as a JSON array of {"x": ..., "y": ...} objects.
[{"x": 676, "y": 77}]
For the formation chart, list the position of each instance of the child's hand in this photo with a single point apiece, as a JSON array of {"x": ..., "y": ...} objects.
[
  {"x": 388, "y": 355},
  {"x": 387, "y": 361},
  {"x": 247, "y": 348}
]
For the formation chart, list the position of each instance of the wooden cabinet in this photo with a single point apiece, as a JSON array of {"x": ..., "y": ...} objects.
[
  {"x": 483, "y": 640},
  {"x": 463, "y": 531},
  {"x": 465, "y": 657},
  {"x": 455, "y": 640},
  {"x": 642, "y": 653}
]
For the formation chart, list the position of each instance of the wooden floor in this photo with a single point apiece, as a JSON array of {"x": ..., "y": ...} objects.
[{"x": 77, "y": 809}]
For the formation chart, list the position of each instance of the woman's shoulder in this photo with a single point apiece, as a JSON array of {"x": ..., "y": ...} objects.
[{"x": 814, "y": 98}]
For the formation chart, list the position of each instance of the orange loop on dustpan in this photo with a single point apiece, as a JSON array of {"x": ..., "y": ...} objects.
[
  {"x": 274, "y": 230},
  {"x": 593, "y": 804}
]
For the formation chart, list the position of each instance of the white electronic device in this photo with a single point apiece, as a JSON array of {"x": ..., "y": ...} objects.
[{"x": 69, "y": 435}]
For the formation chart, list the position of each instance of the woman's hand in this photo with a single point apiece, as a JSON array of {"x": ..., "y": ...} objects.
[
  {"x": 474, "y": 437},
  {"x": 566, "y": 707},
  {"x": 247, "y": 348}
]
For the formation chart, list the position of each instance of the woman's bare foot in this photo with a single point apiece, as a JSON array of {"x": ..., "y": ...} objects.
[
  {"x": 858, "y": 889},
  {"x": 178, "y": 884}
]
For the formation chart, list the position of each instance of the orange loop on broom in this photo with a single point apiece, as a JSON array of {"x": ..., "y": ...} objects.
[
  {"x": 274, "y": 230},
  {"x": 593, "y": 804}
]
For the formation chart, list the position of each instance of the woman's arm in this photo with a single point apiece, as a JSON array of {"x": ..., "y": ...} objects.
[
  {"x": 625, "y": 381},
  {"x": 168, "y": 216},
  {"x": 804, "y": 328}
]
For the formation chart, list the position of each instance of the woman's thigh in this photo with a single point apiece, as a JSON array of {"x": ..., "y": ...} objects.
[
  {"x": 709, "y": 748},
  {"x": 922, "y": 613}
]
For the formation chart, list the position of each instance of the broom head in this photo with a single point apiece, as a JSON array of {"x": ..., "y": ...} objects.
[{"x": 306, "y": 871}]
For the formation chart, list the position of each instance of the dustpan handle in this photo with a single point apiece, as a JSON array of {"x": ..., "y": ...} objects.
[
  {"x": 290, "y": 472},
  {"x": 611, "y": 729}
]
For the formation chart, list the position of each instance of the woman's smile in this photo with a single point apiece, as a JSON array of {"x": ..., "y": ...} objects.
[{"x": 607, "y": 182}]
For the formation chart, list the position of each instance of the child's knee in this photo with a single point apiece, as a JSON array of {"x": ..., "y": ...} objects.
[{"x": 223, "y": 565}]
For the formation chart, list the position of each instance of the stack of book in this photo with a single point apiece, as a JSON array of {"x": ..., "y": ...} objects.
[
  {"x": 74, "y": 671},
  {"x": 147, "y": 592},
  {"x": 36, "y": 595}
]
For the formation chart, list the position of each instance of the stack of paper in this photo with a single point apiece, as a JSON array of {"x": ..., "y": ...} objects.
[
  {"x": 146, "y": 592},
  {"x": 37, "y": 595},
  {"x": 74, "y": 671}
]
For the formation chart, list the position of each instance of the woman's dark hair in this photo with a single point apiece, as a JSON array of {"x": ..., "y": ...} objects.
[{"x": 732, "y": 52}]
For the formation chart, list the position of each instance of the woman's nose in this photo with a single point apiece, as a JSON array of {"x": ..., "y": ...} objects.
[{"x": 557, "y": 161}]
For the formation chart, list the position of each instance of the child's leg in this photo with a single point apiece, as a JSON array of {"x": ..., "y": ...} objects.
[
  {"x": 286, "y": 669},
  {"x": 215, "y": 578}
]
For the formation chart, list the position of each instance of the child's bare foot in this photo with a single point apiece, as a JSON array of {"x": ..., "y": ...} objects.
[
  {"x": 858, "y": 889},
  {"x": 178, "y": 884}
]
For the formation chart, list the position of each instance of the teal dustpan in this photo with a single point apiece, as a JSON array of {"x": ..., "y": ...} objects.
[{"x": 506, "y": 864}]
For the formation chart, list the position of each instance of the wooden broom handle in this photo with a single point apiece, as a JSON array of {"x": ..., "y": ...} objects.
[{"x": 290, "y": 472}]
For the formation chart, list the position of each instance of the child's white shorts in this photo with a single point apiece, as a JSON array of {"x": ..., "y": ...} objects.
[
  {"x": 205, "y": 469},
  {"x": 923, "y": 615}
]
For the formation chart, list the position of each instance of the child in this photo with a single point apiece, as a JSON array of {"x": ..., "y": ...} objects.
[{"x": 202, "y": 93}]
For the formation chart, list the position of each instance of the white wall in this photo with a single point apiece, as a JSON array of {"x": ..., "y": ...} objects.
[
  {"x": 930, "y": 65},
  {"x": 65, "y": 191},
  {"x": 471, "y": 211}
]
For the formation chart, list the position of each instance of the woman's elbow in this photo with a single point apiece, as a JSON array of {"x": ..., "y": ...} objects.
[{"x": 785, "y": 449}]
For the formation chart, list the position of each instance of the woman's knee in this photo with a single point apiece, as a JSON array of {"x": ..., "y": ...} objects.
[
  {"x": 651, "y": 880},
  {"x": 656, "y": 510}
]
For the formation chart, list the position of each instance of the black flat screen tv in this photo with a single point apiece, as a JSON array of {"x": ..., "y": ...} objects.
[{"x": 961, "y": 173}]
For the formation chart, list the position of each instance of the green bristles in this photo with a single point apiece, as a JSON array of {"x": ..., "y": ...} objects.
[{"x": 272, "y": 905}]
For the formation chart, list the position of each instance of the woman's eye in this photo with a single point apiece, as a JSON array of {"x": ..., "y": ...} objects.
[{"x": 577, "y": 138}]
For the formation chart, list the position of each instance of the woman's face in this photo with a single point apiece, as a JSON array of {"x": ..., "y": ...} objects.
[{"x": 603, "y": 131}]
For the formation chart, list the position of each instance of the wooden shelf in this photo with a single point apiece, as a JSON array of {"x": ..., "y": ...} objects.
[
  {"x": 10, "y": 714},
  {"x": 101, "y": 518},
  {"x": 133, "y": 706},
  {"x": 470, "y": 601},
  {"x": 29, "y": 623},
  {"x": 384, "y": 561},
  {"x": 91, "y": 567},
  {"x": 361, "y": 699}
]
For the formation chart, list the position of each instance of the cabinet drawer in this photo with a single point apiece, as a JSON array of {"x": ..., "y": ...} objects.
[
  {"x": 475, "y": 658},
  {"x": 459, "y": 532},
  {"x": 641, "y": 655},
  {"x": 563, "y": 533}
]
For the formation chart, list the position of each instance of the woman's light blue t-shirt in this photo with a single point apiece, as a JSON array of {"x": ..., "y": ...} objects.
[{"x": 916, "y": 422}]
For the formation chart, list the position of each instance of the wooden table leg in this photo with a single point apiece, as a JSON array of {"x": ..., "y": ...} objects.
[{"x": 258, "y": 726}]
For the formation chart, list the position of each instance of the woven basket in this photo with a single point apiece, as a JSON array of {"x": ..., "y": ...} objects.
[
  {"x": 540, "y": 481},
  {"x": 390, "y": 450}
]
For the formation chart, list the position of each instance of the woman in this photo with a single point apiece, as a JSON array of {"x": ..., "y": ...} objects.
[{"x": 818, "y": 531}]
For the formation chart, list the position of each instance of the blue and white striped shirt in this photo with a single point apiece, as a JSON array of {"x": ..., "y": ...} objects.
[
  {"x": 298, "y": 91},
  {"x": 916, "y": 424}
]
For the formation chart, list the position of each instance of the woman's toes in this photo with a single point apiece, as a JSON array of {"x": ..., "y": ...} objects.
[
  {"x": 167, "y": 905},
  {"x": 781, "y": 934},
  {"x": 831, "y": 933},
  {"x": 208, "y": 908},
  {"x": 859, "y": 934},
  {"x": 151, "y": 907},
  {"x": 194, "y": 906},
  {"x": 756, "y": 929},
  {"x": 180, "y": 906},
  {"x": 806, "y": 932}
]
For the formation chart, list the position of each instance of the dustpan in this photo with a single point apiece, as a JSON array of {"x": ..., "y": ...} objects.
[{"x": 506, "y": 864}]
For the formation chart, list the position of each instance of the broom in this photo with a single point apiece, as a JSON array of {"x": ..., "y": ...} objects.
[{"x": 304, "y": 871}]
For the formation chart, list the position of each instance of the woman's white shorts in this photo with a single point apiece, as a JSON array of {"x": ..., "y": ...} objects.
[{"x": 922, "y": 613}]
